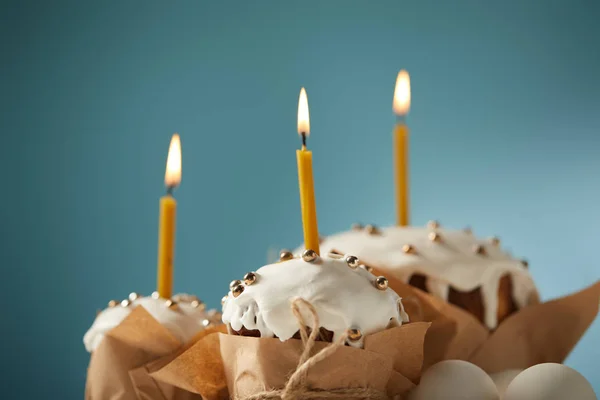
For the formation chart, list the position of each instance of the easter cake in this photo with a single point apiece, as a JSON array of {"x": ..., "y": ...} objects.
[
  {"x": 346, "y": 296},
  {"x": 473, "y": 273},
  {"x": 183, "y": 315}
]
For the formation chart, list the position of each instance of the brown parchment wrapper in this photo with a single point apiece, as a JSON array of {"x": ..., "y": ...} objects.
[
  {"x": 541, "y": 333},
  {"x": 120, "y": 366},
  {"x": 390, "y": 362},
  {"x": 538, "y": 333},
  {"x": 198, "y": 369},
  {"x": 468, "y": 333},
  {"x": 449, "y": 328}
]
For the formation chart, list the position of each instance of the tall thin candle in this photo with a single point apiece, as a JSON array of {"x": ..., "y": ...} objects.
[
  {"x": 166, "y": 229},
  {"x": 401, "y": 107},
  {"x": 305, "y": 178}
]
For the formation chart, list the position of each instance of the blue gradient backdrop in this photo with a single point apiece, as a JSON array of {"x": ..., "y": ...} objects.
[{"x": 505, "y": 137}]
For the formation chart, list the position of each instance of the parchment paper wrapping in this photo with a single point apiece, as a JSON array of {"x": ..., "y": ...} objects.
[
  {"x": 446, "y": 331},
  {"x": 198, "y": 370},
  {"x": 545, "y": 332},
  {"x": 240, "y": 366},
  {"x": 120, "y": 366},
  {"x": 539, "y": 333}
]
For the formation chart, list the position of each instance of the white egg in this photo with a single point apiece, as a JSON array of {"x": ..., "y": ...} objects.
[
  {"x": 455, "y": 380},
  {"x": 504, "y": 378},
  {"x": 549, "y": 381}
]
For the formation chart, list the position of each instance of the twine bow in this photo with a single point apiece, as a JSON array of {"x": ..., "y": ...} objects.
[{"x": 297, "y": 387}]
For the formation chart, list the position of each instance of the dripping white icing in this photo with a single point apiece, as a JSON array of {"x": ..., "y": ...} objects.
[
  {"x": 438, "y": 288},
  {"x": 343, "y": 297},
  {"x": 183, "y": 322},
  {"x": 448, "y": 263}
]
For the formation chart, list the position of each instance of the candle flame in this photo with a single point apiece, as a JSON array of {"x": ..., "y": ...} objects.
[
  {"x": 402, "y": 94},
  {"x": 173, "y": 171},
  {"x": 303, "y": 114}
]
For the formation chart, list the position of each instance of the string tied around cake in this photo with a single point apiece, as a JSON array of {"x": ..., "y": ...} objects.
[{"x": 297, "y": 387}]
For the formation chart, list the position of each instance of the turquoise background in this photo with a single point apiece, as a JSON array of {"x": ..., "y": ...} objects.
[{"x": 505, "y": 137}]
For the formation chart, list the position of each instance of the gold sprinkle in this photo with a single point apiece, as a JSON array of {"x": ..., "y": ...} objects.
[
  {"x": 285, "y": 255},
  {"x": 372, "y": 229},
  {"x": 171, "y": 304},
  {"x": 479, "y": 249},
  {"x": 233, "y": 284},
  {"x": 352, "y": 261},
  {"x": 155, "y": 295},
  {"x": 354, "y": 334},
  {"x": 205, "y": 322},
  {"x": 309, "y": 255},
  {"x": 236, "y": 291},
  {"x": 198, "y": 304},
  {"x": 113, "y": 303},
  {"x": 435, "y": 237},
  {"x": 250, "y": 278},
  {"x": 381, "y": 283},
  {"x": 409, "y": 249},
  {"x": 125, "y": 303}
]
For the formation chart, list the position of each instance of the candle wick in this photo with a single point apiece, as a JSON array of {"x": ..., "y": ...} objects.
[
  {"x": 303, "y": 134},
  {"x": 170, "y": 189}
]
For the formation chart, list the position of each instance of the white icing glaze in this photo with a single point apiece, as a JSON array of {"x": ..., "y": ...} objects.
[
  {"x": 451, "y": 262},
  {"x": 183, "y": 322},
  {"x": 344, "y": 298}
]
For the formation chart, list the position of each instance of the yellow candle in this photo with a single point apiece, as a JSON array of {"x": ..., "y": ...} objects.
[
  {"x": 401, "y": 106},
  {"x": 166, "y": 226},
  {"x": 305, "y": 179},
  {"x": 401, "y": 169}
]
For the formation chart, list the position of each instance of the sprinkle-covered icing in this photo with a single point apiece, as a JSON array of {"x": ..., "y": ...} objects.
[
  {"x": 449, "y": 258},
  {"x": 183, "y": 321},
  {"x": 344, "y": 297}
]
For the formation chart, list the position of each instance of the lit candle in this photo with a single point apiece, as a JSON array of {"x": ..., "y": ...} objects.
[
  {"x": 401, "y": 106},
  {"x": 305, "y": 179},
  {"x": 166, "y": 228}
]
